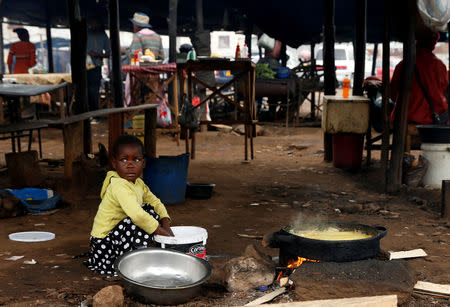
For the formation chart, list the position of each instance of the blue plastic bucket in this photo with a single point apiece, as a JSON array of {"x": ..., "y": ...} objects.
[{"x": 166, "y": 177}]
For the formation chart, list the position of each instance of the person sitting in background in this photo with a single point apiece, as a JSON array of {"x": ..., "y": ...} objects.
[
  {"x": 431, "y": 86},
  {"x": 23, "y": 52},
  {"x": 144, "y": 38}
]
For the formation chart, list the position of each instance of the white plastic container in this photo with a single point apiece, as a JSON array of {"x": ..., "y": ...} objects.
[
  {"x": 187, "y": 239},
  {"x": 438, "y": 157}
]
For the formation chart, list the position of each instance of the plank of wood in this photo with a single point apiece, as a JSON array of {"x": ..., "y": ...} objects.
[
  {"x": 415, "y": 253},
  {"x": 370, "y": 301},
  {"x": 243, "y": 235},
  {"x": 445, "y": 207},
  {"x": 267, "y": 297},
  {"x": 433, "y": 288}
]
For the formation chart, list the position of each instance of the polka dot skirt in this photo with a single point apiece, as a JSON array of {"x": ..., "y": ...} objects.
[{"x": 124, "y": 237}]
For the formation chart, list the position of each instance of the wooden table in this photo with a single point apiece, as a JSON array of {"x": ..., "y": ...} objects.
[
  {"x": 244, "y": 72},
  {"x": 11, "y": 92},
  {"x": 75, "y": 137},
  {"x": 40, "y": 79},
  {"x": 149, "y": 76}
]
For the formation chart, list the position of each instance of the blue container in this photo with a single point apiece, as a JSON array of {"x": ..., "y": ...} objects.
[
  {"x": 283, "y": 73},
  {"x": 166, "y": 177},
  {"x": 35, "y": 200}
]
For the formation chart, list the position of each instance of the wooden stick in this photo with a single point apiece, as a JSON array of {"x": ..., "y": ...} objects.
[
  {"x": 432, "y": 288},
  {"x": 445, "y": 208},
  {"x": 407, "y": 254},
  {"x": 370, "y": 301},
  {"x": 266, "y": 298},
  {"x": 250, "y": 236}
]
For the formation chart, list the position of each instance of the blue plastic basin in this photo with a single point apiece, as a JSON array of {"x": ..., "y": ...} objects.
[{"x": 166, "y": 177}]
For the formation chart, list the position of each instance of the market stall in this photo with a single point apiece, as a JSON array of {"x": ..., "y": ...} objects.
[
  {"x": 244, "y": 72},
  {"x": 149, "y": 83}
]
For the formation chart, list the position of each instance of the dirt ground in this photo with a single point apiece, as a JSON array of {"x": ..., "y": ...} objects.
[{"x": 288, "y": 181}]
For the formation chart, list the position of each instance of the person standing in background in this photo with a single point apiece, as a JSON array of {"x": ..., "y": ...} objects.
[
  {"x": 97, "y": 48},
  {"x": 144, "y": 38},
  {"x": 23, "y": 52}
]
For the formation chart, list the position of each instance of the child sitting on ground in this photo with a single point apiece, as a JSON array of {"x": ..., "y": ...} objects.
[{"x": 129, "y": 214}]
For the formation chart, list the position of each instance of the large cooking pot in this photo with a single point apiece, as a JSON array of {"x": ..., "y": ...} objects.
[
  {"x": 162, "y": 276},
  {"x": 292, "y": 245}
]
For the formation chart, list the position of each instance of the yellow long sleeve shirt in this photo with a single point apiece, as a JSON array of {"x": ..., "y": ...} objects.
[{"x": 122, "y": 198}]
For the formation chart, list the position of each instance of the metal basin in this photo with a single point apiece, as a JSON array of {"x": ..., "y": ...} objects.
[{"x": 161, "y": 276}]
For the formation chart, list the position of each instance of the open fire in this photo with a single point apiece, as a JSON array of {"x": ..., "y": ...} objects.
[{"x": 292, "y": 265}]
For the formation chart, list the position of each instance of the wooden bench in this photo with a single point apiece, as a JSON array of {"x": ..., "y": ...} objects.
[
  {"x": 23, "y": 129},
  {"x": 77, "y": 136}
]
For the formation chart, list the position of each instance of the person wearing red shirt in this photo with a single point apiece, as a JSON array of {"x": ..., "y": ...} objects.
[
  {"x": 434, "y": 79},
  {"x": 23, "y": 52}
]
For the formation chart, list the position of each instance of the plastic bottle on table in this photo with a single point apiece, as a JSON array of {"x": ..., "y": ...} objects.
[
  {"x": 244, "y": 52},
  {"x": 237, "y": 55},
  {"x": 140, "y": 54},
  {"x": 345, "y": 87}
]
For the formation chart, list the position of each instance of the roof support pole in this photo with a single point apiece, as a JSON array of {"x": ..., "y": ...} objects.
[
  {"x": 78, "y": 37},
  {"x": 2, "y": 56},
  {"x": 448, "y": 88},
  {"x": 374, "y": 59},
  {"x": 199, "y": 14},
  {"x": 385, "y": 91},
  {"x": 173, "y": 15},
  {"x": 248, "y": 37},
  {"x": 360, "y": 46},
  {"x": 114, "y": 28},
  {"x": 173, "y": 6},
  {"x": 48, "y": 30},
  {"x": 328, "y": 66},
  {"x": 401, "y": 116},
  {"x": 313, "y": 93}
]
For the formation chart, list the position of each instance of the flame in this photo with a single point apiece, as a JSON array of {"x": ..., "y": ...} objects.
[{"x": 293, "y": 264}]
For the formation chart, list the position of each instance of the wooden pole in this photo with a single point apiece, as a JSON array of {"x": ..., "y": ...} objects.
[
  {"x": 248, "y": 37},
  {"x": 445, "y": 209},
  {"x": 199, "y": 14},
  {"x": 448, "y": 88},
  {"x": 150, "y": 132},
  {"x": 313, "y": 93},
  {"x": 283, "y": 54},
  {"x": 48, "y": 30},
  {"x": 385, "y": 91},
  {"x": 360, "y": 46},
  {"x": 329, "y": 67},
  {"x": 401, "y": 115},
  {"x": 173, "y": 6},
  {"x": 2, "y": 56},
  {"x": 78, "y": 34},
  {"x": 173, "y": 13},
  {"x": 116, "y": 76},
  {"x": 374, "y": 59}
]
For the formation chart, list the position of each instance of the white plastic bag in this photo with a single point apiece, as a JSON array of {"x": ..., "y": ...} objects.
[
  {"x": 435, "y": 13},
  {"x": 164, "y": 115}
]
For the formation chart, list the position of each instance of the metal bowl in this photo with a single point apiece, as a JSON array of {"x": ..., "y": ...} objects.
[{"x": 161, "y": 276}]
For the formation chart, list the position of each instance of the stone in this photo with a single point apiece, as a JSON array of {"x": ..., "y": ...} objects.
[
  {"x": 241, "y": 130},
  {"x": 111, "y": 296},
  {"x": 246, "y": 273},
  {"x": 254, "y": 252}
]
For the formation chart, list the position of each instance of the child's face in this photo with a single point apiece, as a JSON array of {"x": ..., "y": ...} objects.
[{"x": 129, "y": 162}]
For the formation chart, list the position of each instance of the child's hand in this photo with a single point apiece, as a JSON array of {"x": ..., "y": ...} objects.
[
  {"x": 162, "y": 232},
  {"x": 165, "y": 223}
]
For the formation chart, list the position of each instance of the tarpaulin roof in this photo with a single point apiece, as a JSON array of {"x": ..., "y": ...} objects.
[{"x": 294, "y": 22}]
